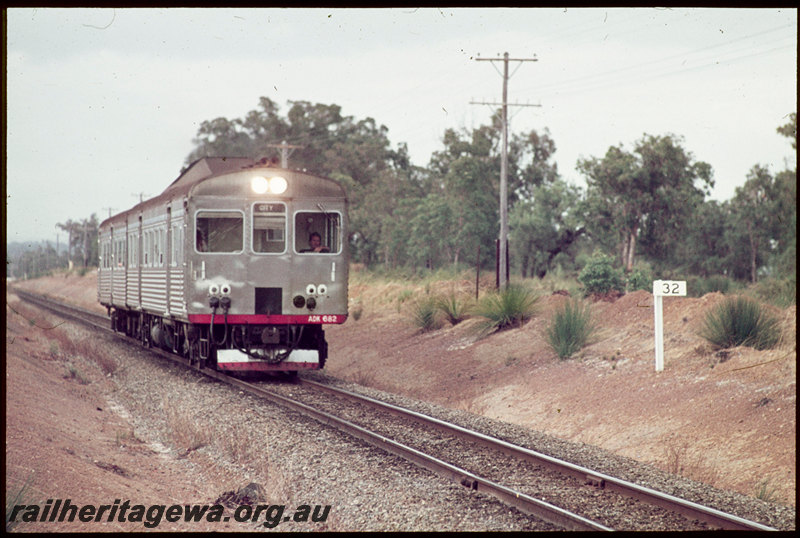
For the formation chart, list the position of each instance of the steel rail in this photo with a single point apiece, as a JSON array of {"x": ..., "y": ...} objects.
[
  {"x": 525, "y": 503},
  {"x": 65, "y": 309},
  {"x": 711, "y": 516}
]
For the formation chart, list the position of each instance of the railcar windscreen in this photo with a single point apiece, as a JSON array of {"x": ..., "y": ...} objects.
[
  {"x": 219, "y": 231},
  {"x": 317, "y": 232},
  {"x": 269, "y": 228}
]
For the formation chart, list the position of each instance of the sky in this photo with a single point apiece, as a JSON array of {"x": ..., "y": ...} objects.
[{"x": 103, "y": 104}]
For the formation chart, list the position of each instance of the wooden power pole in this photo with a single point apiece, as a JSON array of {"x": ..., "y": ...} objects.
[
  {"x": 503, "y": 261},
  {"x": 284, "y": 147}
]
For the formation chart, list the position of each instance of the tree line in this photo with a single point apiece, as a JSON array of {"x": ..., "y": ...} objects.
[
  {"x": 31, "y": 260},
  {"x": 648, "y": 204},
  {"x": 644, "y": 205}
]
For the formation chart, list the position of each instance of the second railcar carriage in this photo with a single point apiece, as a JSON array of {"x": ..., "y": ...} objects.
[{"x": 237, "y": 265}]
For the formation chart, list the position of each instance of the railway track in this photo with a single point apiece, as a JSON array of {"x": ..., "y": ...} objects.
[{"x": 556, "y": 491}]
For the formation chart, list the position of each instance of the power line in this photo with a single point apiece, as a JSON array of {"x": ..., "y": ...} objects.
[{"x": 652, "y": 63}]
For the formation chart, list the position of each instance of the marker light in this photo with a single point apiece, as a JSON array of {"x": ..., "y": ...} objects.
[
  {"x": 277, "y": 185},
  {"x": 259, "y": 184}
]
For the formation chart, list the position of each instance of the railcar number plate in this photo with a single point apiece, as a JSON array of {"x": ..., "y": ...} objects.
[{"x": 323, "y": 319}]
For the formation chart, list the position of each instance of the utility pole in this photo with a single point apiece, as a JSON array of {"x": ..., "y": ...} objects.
[
  {"x": 284, "y": 147},
  {"x": 85, "y": 243},
  {"x": 503, "y": 262}
]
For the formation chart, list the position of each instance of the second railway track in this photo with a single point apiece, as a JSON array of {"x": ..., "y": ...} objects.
[{"x": 571, "y": 496}]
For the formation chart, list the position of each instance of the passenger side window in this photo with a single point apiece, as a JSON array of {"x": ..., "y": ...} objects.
[{"x": 219, "y": 231}]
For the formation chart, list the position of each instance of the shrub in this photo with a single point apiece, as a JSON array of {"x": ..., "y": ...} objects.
[
  {"x": 404, "y": 295},
  {"x": 508, "y": 308},
  {"x": 699, "y": 286},
  {"x": 640, "y": 278},
  {"x": 781, "y": 292},
  {"x": 557, "y": 281},
  {"x": 599, "y": 276},
  {"x": 570, "y": 328},
  {"x": 739, "y": 321},
  {"x": 424, "y": 314},
  {"x": 454, "y": 307}
]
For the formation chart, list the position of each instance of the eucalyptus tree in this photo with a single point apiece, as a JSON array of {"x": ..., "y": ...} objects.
[
  {"x": 464, "y": 180},
  {"x": 466, "y": 175},
  {"x": 546, "y": 225},
  {"x": 322, "y": 140},
  {"x": 648, "y": 195},
  {"x": 755, "y": 225},
  {"x": 82, "y": 239},
  {"x": 705, "y": 249},
  {"x": 763, "y": 229}
]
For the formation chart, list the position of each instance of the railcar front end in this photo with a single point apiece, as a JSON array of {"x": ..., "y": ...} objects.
[{"x": 260, "y": 292}]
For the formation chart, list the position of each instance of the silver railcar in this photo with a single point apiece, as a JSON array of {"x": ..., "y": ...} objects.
[{"x": 237, "y": 265}]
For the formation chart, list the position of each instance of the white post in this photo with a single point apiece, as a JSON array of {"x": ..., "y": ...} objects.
[
  {"x": 659, "y": 315},
  {"x": 660, "y": 289}
]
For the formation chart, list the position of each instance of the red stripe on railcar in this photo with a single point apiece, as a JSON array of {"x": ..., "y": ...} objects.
[{"x": 263, "y": 319}]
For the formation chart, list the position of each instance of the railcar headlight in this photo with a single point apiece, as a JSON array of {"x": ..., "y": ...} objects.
[
  {"x": 273, "y": 185},
  {"x": 259, "y": 184},
  {"x": 278, "y": 185}
]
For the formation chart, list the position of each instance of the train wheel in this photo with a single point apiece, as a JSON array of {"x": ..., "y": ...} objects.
[
  {"x": 194, "y": 355},
  {"x": 146, "y": 343}
]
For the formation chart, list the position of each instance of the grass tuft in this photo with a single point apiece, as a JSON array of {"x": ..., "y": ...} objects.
[
  {"x": 570, "y": 328},
  {"x": 74, "y": 373},
  {"x": 15, "y": 497},
  {"x": 424, "y": 314},
  {"x": 510, "y": 307},
  {"x": 739, "y": 321},
  {"x": 766, "y": 492},
  {"x": 454, "y": 306}
]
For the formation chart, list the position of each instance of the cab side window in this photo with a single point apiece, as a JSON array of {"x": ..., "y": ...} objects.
[{"x": 317, "y": 232}]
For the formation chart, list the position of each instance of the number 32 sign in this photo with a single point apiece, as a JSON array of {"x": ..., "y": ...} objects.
[
  {"x": 663, "y": 288},
  {"x": 676, "y": 288}
]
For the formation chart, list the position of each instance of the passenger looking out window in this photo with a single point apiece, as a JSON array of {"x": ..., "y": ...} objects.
[{"x": 317, "y": 232}]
